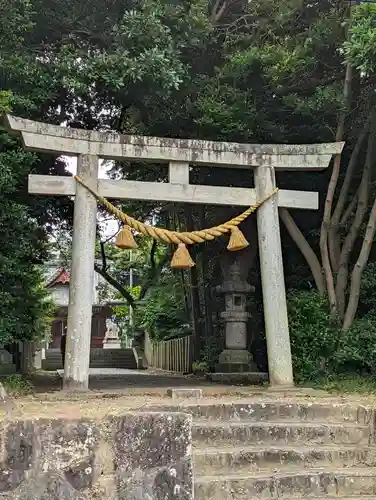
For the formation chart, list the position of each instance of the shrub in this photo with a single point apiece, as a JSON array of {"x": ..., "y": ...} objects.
[
  {"x": 162, "y": 312},
  {"x": 319, "y": 348},
  {"x": 314, "y": 338},
  {"x": 356, "y": 352},
  {"x": 16, "y": 385},
  {"x": 367, "y": 299}
]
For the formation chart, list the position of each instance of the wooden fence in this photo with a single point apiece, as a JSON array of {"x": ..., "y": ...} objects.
[{"x": 174, "y": 355}]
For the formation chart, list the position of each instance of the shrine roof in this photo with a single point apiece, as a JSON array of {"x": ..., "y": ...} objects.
[{"x": 61, "y": 277}]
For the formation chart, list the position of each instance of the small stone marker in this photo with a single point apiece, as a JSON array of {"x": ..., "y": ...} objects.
[
  {"x": 3, "y": 393},
  {"x": 184, "y": 393},
  {"x": 6, "y": 404}
]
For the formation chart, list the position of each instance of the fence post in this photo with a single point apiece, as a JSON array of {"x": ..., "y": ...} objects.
[
  {"x": 172, "y": 355},
  {"x": 173, "y": 366}
]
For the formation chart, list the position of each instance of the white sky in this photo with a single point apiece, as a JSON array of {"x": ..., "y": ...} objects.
[{"x": 110, "y": 225}]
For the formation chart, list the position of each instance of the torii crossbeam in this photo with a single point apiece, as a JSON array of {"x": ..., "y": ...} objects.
[{"x": 90, "y": 146}]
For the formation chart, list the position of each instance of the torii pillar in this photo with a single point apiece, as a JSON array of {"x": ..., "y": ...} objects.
[{"x": 89, "y": 146}]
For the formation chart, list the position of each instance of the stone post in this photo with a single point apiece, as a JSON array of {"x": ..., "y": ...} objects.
[
  {"x": 273, "y": 283},
  {"x": 27, "y": 356},
  {"x": 77, "y": 357},
  {"x": 38, "y": 358}
]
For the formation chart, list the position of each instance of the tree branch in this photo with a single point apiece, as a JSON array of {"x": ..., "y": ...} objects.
[
  {"x": 113, "y": 282},
  {"x": 102, "y": 270},
  {"x": 349, "y": 210},
  {"x": 104, "y": 259},
  {"x": 305, "y": 248},
  {"x": 299, "y": 88},
  {"x": 155, "y": 270},
  {"x": 152, "y": 254}
]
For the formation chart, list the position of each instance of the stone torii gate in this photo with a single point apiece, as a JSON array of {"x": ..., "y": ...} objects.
[{"x": 90, "y": 146}]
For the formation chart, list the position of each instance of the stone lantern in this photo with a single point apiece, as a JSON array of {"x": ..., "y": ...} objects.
[{"x": 235, "y": 362}]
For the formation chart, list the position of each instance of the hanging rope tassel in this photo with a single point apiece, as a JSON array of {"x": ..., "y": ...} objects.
[
  {"x": 181, "y": 258},
  {"x": 125, "y": 239},
  {"x": 237, "y": 240}
]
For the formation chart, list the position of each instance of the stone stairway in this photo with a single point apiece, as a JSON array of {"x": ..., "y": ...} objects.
[
  {"x": 284, "y": 450},
  {"x": 99, "y": 358}
]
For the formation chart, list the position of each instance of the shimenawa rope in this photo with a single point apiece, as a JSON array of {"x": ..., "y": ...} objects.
[{"x": 176, "y": 237}]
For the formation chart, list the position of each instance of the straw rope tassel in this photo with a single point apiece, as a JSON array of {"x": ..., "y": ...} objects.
[
  {"x": 237, "y": 240},
  {"x": 181, "y": 258},
  {"x": 125, "y": 239}
]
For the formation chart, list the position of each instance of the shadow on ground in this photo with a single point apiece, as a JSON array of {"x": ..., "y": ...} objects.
[{"x": 106, "y": 381}]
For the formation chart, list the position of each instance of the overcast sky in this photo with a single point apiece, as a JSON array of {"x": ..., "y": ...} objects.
[{"x": 109, "y": 227}]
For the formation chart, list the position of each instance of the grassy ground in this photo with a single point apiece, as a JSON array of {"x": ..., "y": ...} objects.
[{"x": 344, "y": 384}]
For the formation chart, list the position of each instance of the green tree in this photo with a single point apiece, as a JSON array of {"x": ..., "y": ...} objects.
[
  {"x": 24, "y": 306},
  {"x": 84, "y": 65}
]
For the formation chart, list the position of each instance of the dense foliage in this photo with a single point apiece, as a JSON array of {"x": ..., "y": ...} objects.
[
  {"x": 24, "y": 306},
  {"x": 318, "y": 351},
  {"x": 314, "y": 340}
]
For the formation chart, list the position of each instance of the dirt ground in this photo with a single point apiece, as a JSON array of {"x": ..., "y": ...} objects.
[{"x": 109, "y": 398}]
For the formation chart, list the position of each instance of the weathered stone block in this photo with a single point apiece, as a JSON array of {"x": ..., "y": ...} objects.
[
  {"x": 18, "y": 450},
  {"x": 239, "y": 378},
  {"x": 6, "y": 403},
  {"x": 159, "y": 465},
  {"x": 249, "y": 460},
  {"x": 184, "y": 393},
  {"x": 134, "y": 457},
  {"x": 241, "y": 433}
]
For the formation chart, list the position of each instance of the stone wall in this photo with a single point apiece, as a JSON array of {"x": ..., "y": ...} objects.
[{"x": 138, "y": 456}]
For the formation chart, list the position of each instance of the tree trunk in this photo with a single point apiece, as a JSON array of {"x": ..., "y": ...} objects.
[
  {"x": 195, "y": 308},
  {"x": 305, "y": 248},
  {"x": 349, "y": 210},
  {"x": 220, "y": 8},
  {"x": 27, "y": 357},
  {"x": 184, "y": 284},
  {"x": 206, "y": 282},
  {"x": 334, "y": 231},
  {"x": 358, "y": 270},
  {"x": 348, "y": 245},
  {"x": 194, "y": 291},
  {"x": 325, "y": 226}
]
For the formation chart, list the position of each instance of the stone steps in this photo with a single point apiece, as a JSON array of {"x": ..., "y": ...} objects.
[
  {"x": 276, "y": 412},
  {"x": 213, "y": 460},
  {"x": 99, "y": 358},
  {"x": 297, "y": 484},
  {"x": 289, "y": 450},
  {"x": 272, "y": 433}
]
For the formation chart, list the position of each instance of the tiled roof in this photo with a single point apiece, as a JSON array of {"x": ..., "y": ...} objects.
[{"x": 60, "y": 278}]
